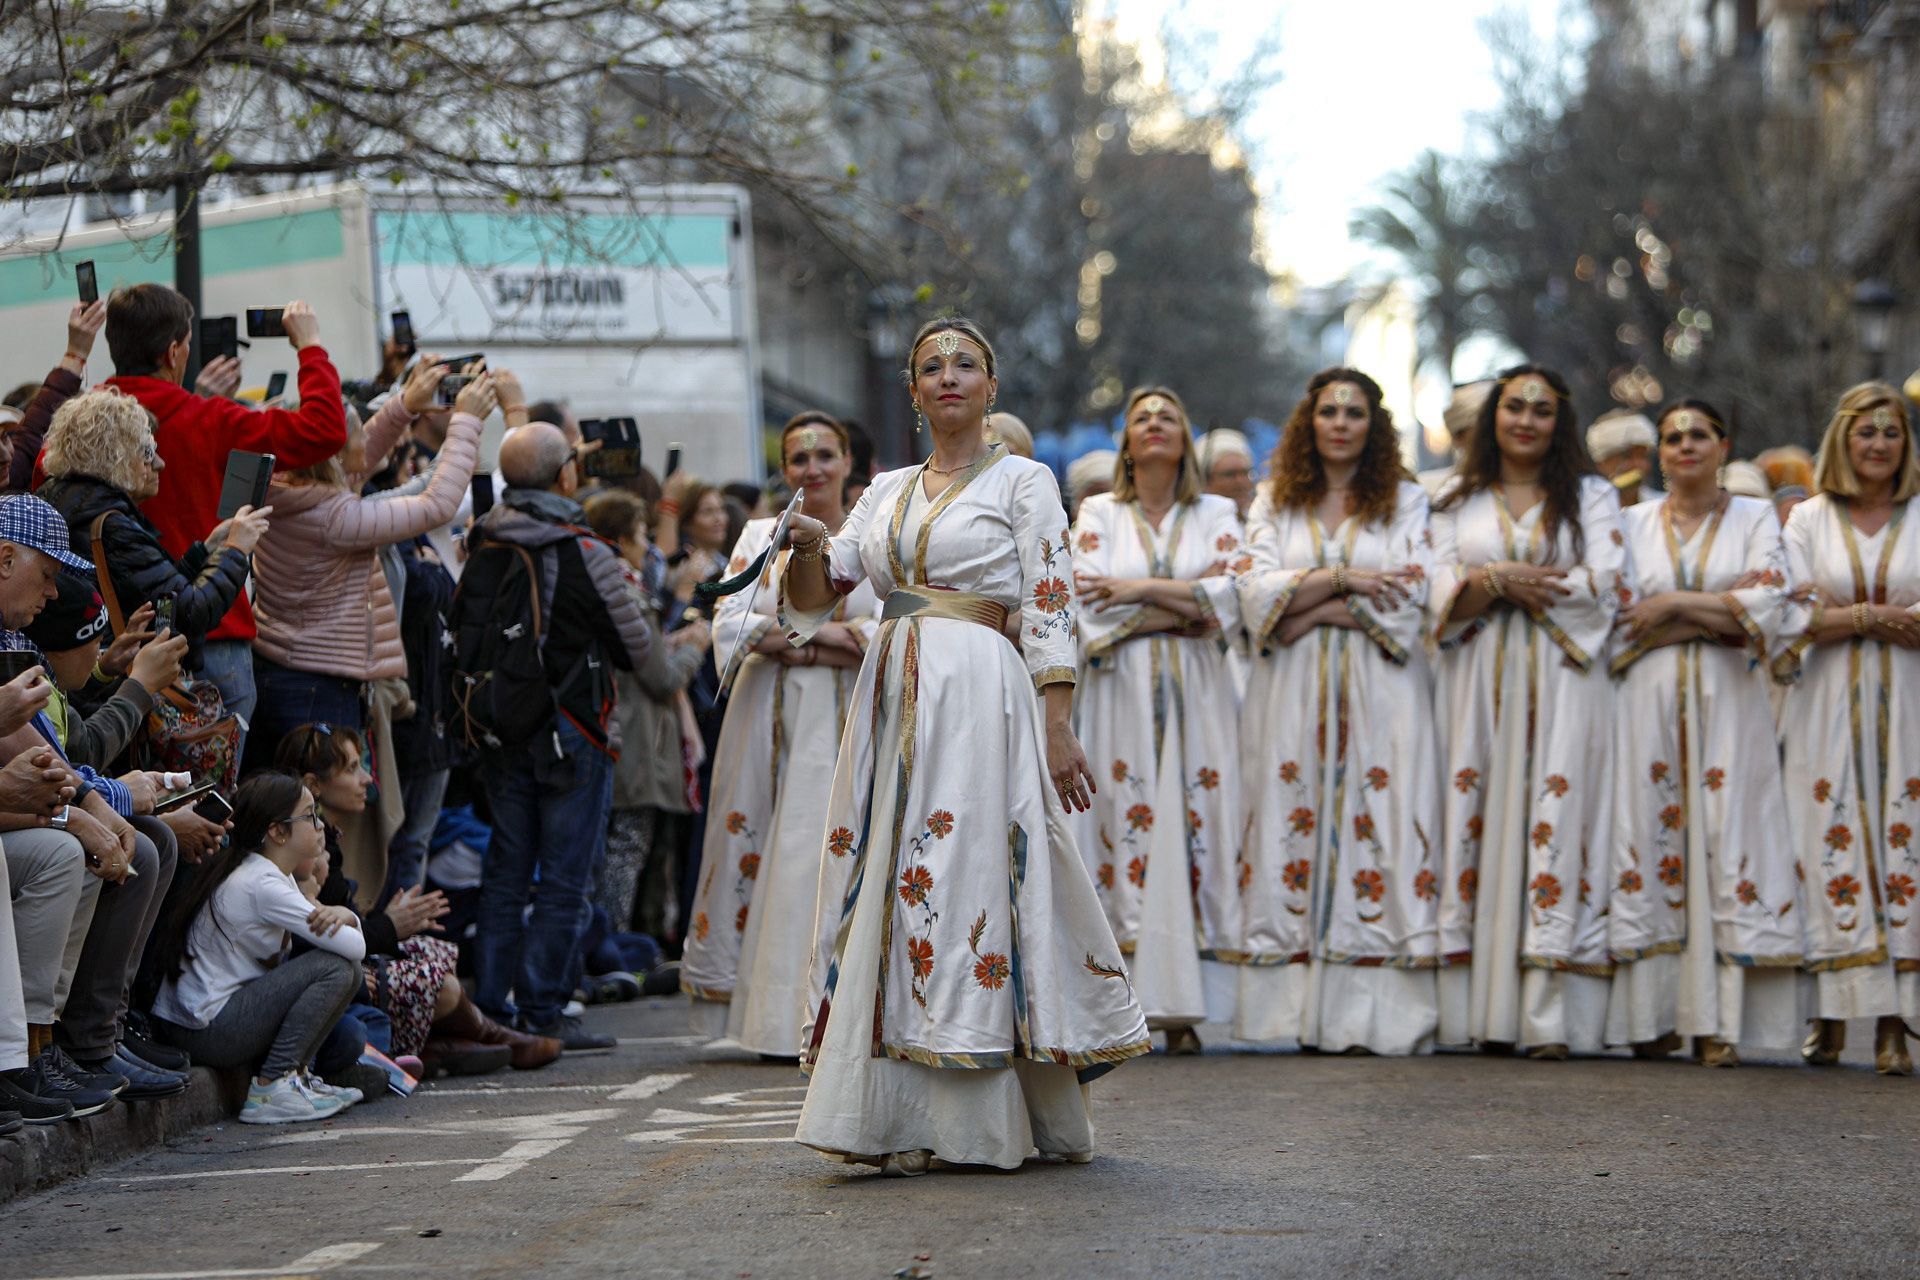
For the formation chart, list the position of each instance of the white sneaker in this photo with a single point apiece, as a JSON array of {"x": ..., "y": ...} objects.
[
  {"x": 287, "y": 1101},
  {"x": 347, "y": 1094},
  {"x": 573, "y": 1009}
]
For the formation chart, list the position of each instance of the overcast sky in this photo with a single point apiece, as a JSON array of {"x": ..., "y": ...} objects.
[{"x": 1365, "y": 85}]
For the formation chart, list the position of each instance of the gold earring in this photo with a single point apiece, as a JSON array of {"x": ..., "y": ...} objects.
[{"x": 919, "y": 421}]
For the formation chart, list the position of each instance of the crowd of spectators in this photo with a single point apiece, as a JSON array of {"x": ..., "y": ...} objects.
[{"x": 352, "y": 786}]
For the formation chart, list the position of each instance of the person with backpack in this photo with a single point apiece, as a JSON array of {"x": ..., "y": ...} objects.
[{"x": 542, "y": 615}]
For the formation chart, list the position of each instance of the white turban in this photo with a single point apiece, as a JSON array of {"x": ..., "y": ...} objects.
[
  {"x": 1220, "y": 443},
  {"x": 1088, "y": 470},
  {"x": 1615, "y": 433},
  {"x": 1746, "y": 479},
  {"x": 1463, "y": 409}
]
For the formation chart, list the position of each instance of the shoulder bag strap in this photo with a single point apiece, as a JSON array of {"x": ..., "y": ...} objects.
[{"x": 103, "y": 577}]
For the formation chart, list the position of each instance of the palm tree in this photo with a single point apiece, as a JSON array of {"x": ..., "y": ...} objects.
[{"x": 1427, "y": 220}]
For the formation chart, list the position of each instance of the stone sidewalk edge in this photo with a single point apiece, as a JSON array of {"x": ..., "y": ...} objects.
[{"x": 42, "y": 1156}]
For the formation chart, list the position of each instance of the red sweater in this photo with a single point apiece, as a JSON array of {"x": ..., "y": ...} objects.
[{"x": 196, "y": 433}]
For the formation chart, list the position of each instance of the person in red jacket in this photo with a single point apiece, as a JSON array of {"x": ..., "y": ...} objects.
[{"x": 149, "y": 333}]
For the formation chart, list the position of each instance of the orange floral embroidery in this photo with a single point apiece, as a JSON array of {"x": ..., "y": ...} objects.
[
  {"x": 915, "y": 884},
  {"x": 1671, "y": 817},
  {"x": 1369, "y": 885},
  {"x": 1465, "y": 780},
  {"x": 1659, "y": 771},
  {"x": 1193, "y": 821},
  {"x": 1137, "y": 873},
  {"x": 1050, "y": 595},
  {"x": 1671, "y": 869},
  {"x": 1475, "y": 826},
  {"x": 840, "y": 843},
  {"x": 1716, "y": 779},
  {"x": 1363, "y": 826},
  {"x": 1377, "y": 778},
  {"x": 1843, "y": 890},
  {"x": 1207, "y": 778},
  {"x": 1246, "y": 876},
  {"x": 736, "y": 822},
  {"x": 1120, "y": 770},
  {"x": 920, "y": 956},
  {"x": 940, "y": 822},
  {"x": 1301, "y": 820},
  {"x": 1839, "y": 837},
  {"x": 1822, "y": 790},
  {"x": 1295, "y": 875},
  {"x": 700, "y": 926},
  {"x": 1289, "y": 771},
  {"x": 1899, "y": 889},
  {"x": 1913, "y": 788},
  {"x": 1087, "y": 541},
  {"x": 740, "y": 921},
  {"x": 1225, "y": 542},
  {"x": 1899, "y": 835},
  {"x": 1426, "y": 884},
  {"x": 1469, "y": 884},
  {"x": 1545, "y": 890},
  {"x": 1747, "y": 892},
  {"x": 750, "y": 865},
  {"x": 1542, "y": 834},
  {"x": 1140, "y": 817},
  {"x": 1630, "y": 881},
  {"x": 1105, "y": 875},
  {"x": 991, "y": 971}
]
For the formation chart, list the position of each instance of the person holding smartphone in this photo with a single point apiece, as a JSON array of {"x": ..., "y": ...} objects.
[{"x": 63, "y": 383}]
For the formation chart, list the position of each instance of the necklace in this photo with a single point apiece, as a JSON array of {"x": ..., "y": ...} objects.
[{"x": 950, "y": 470}]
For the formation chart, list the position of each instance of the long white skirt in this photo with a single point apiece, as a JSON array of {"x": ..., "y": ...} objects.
[{"x": 1336, "y": 1007}]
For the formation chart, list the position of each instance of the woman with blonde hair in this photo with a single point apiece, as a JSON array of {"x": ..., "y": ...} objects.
[
  {"x": 1153, "y": 563},
  {"x": 752, "y": 951},
  {"x": 974, "y": 986},
  {"x": 1851, "y": 726},
  {"x": 1339, "y": 867}
]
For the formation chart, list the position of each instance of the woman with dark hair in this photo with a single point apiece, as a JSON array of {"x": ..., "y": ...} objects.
[
  {"x": 975, "y": 986},
  {"x": 1153, "y": 562},
  {"x": 1852, "y": 743},
  {"x": 228, "y": 997},
  {"x": 753, "y": 931},
  {"x": 1704, "y": 918},
  {"x": 1338, "y": 874},
  {"x": 1528, "y": 558}
]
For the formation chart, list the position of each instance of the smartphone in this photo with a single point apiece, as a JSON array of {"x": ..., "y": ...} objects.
[
  {"x": 461, "y": 362},
  {"x": 618, "y": 457},
  {"x": 266, "y": 322},
  {"x": 214, "y": 808},
  {"x": 276, "y": 386},
  {"x": 172, "y": 800},
  {"x": 219, "y": 336},
  {"x": 482, "y": 495},
  {"x": 450, "y": 388},
  {"x": 403, "y": 331},
  {"x": 15, "y": 663},
  {"x": 673, "y": 459},
  {"x": 89, "y": 283},
  {"x": 163, "y": 616},
  {"x": 248, "y": 475}
]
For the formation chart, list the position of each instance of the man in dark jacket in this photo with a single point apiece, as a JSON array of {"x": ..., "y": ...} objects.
[
  {"x": 551, "y": 799},
  {"x": 149, "y": 333}
]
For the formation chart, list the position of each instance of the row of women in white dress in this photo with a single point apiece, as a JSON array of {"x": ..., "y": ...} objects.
[{"x": 1505, "y": 771}]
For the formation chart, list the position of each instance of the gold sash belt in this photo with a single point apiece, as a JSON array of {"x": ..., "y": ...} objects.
[{"x": 932, "y": 602}]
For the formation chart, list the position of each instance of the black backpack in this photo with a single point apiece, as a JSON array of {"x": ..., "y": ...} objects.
[{"x": 498, "y": 693}]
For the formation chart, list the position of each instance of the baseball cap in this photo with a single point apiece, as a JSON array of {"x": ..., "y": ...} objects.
[
  {"x": 74, "y": 618},
  {"x": 28, "y": 521}
]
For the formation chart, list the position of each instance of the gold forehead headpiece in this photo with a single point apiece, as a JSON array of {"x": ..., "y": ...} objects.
[
  {"x": 1534, "y": 389},
  {"x": 809, "y": 437},
  {"x": 947, "y": 341},
  {"x": 1688, "y": 419},
  {"x": 1684, "y": 419},
  {"x": 1343, "y": 394},
  {"x": 1155, "y": 404},
  {"x": 1883, "y": 416}
]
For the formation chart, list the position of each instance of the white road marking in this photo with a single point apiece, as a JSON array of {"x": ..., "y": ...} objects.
[
  {"x": 648, "y": 1086},
  {"x": 769, "y": 1105},
  {"x": 738, "y": 1097},
  {"x": 304, "y": 1168},
  {"x": 663, "y": 1039},
  {"x": 512, "y": 1160},
  {"x": 322, "y": 1259}
]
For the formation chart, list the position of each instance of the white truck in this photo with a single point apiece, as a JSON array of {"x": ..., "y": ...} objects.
[{"x": 640, "y": 306}]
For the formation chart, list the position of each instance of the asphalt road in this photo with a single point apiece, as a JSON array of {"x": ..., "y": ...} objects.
[{"x": 668, "y": 1159}]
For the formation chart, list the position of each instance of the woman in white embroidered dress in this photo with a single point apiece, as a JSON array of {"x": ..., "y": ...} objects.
[
  {"x": 1153, "y": 561},
  {"x": 975, "y": 984},
  {"x": 1340, "y": 862},
  {"x": 1528, "y": 557},
  {"x": 752, "y": 937},
  {"x": 1851, "y": 727},
  {"x": 1704, "y": 917}
]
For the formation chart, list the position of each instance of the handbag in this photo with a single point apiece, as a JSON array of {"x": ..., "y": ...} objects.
[{"x": 189, "y": 727}]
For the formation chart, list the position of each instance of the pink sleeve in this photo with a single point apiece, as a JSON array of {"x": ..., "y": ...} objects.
[
  {"x": 361, "y": 523},
  {"x": 382, "y": 434}
]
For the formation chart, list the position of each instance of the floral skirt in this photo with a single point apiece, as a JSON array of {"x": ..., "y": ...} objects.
[{"x": 405, "y": 987}]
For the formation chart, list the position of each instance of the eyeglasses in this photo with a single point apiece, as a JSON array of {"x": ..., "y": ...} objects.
[{"x": 312, "y": 815}]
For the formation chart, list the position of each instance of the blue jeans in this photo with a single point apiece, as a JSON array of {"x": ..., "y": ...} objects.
[
  {"x": 289, "y": 699},
  {"x": 229, "y": 664},
  {"x": 549, "y": 819},
  {"x": 421, "y": 795}
]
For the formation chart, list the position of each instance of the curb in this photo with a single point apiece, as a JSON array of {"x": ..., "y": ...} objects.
[{"x": 41, "y": 1156}]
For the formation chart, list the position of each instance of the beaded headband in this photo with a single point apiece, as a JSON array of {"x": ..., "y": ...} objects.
[
  {"x": 1687, "y": 419},
  {"x": 1343, "y": 394},
  {"x": 1533, "y": 389}
]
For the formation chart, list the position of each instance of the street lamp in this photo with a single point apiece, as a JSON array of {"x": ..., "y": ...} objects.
[{"x": 1873, "y": 306}]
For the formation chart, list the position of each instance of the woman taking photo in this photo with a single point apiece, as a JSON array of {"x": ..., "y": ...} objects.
[
  {"x": 1527, "y": 565},
  {"x": 752, "y": 934},
  {"x": 1156, "y": 711},
  {"x": 1851, "y": 726},
  {"x": 1704, "y": 919},
  {"x": 228, "y": 997},
  {"x": 974, "y": 980},
  {"x": 1340, "y": 874}
]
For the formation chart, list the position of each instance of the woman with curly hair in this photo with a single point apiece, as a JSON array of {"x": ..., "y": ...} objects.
[
  {"x": 1528, "y": 565},
  {"x": 1852, "y": 725},
  {"x": 1338, "y": 872},
  {"x": 1153, "y": 561}
]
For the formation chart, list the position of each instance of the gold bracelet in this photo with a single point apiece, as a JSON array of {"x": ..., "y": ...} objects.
[
  {"x": 1819, "y": 617},
  {"x": 1339, "y": 579},
  {"x": 812, "y": 551},
  {"x": 1861, "y": 620},
  {"x": 1495, "y": 587}
]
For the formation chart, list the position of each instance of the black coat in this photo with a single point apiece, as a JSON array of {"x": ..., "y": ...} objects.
[{"x": 203, "y": 587}]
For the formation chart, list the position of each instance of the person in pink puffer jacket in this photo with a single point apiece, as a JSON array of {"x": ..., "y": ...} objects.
[{"x": 327, "y": 619}]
